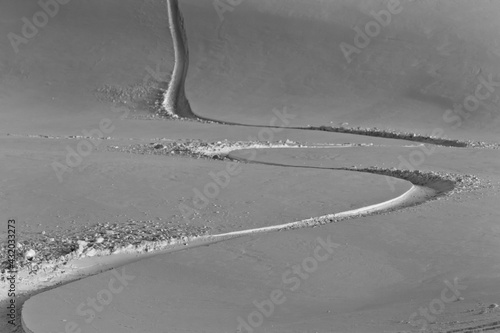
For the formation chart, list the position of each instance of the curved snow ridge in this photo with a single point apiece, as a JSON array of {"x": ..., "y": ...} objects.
[
  {"x": 426, "y": 186},
  {"x": 414, "y": 196},
  {"x": 79, "y": 266},
  {"x": 443, "y": 183},
  {"x": 69, "y": 267}
]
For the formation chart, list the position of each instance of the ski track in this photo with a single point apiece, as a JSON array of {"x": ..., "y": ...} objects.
[{"x": 176, "y": 104}]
